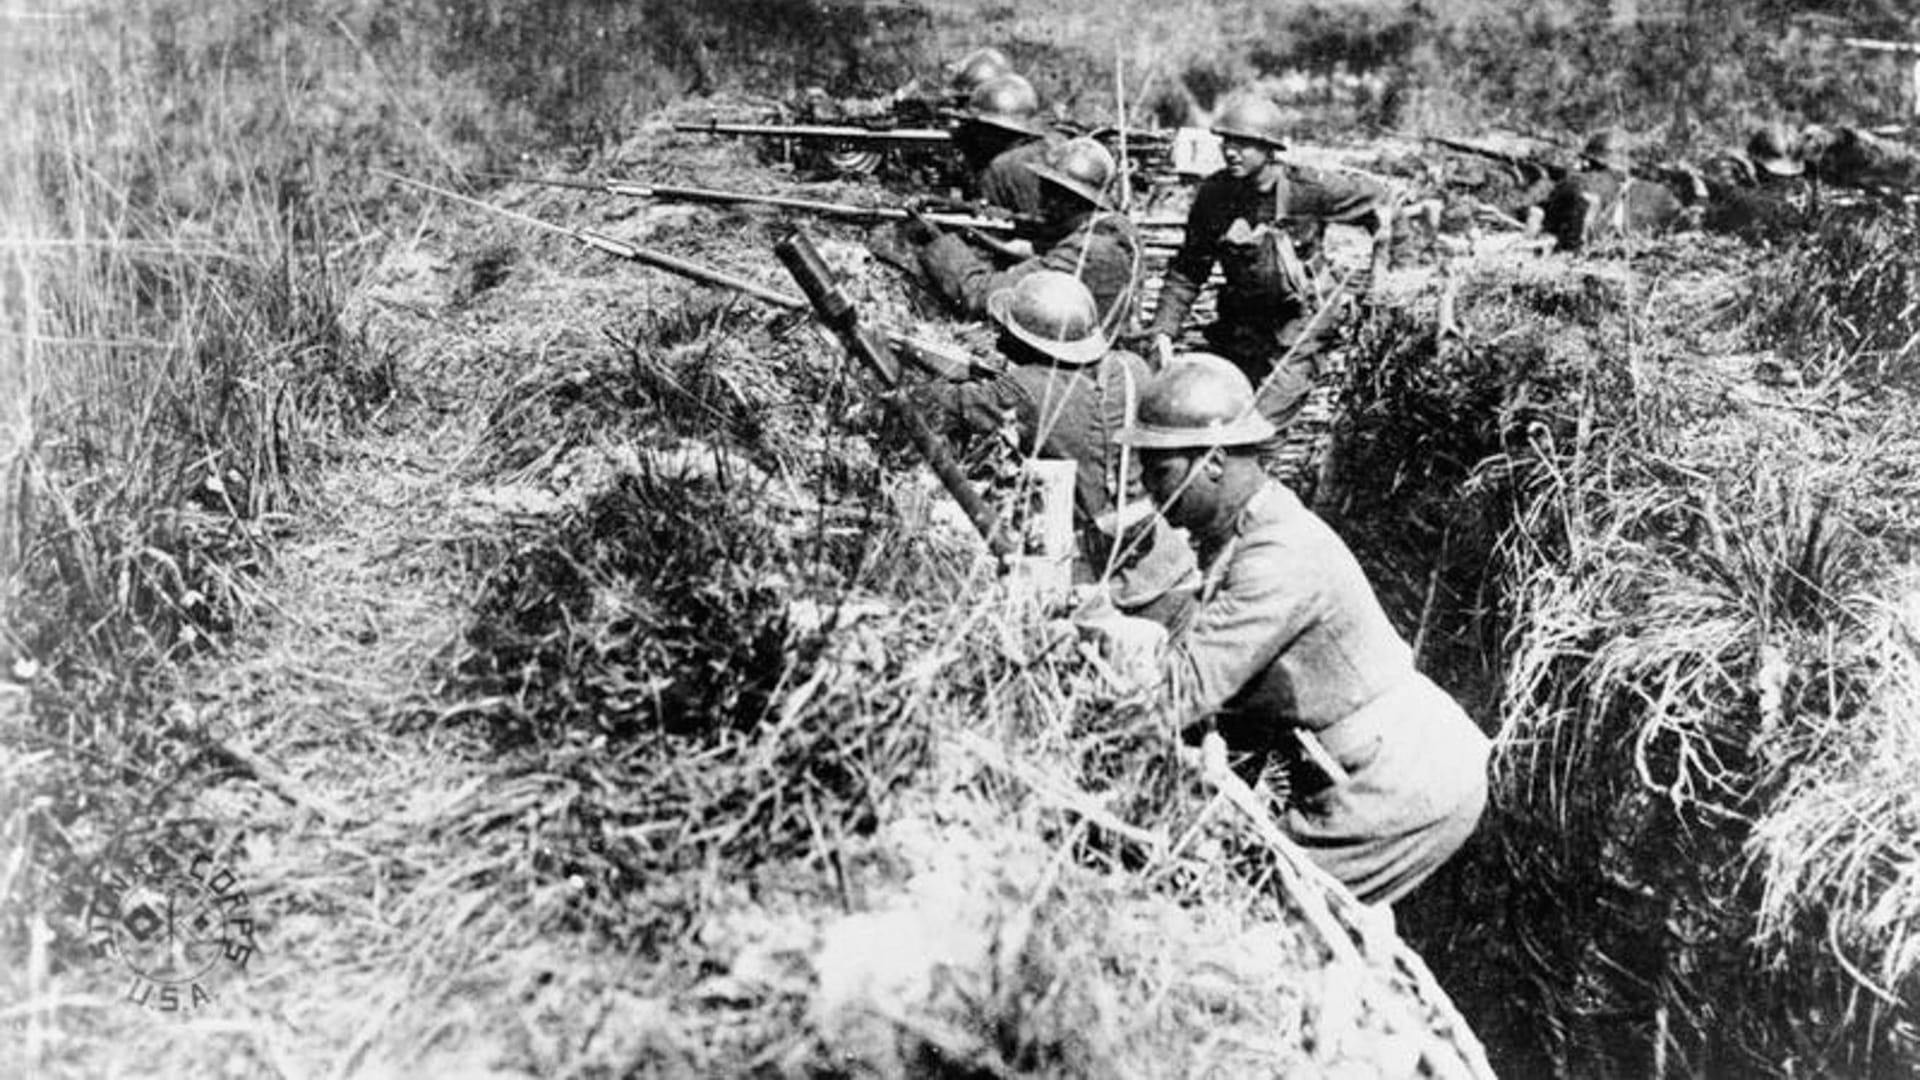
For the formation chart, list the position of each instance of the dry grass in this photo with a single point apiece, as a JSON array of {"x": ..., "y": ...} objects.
[{"x": 1687, "y": 651}]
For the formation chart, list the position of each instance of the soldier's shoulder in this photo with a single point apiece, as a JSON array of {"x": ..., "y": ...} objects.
[
  {"x": 1027, "y": 152},
  {"x": 1113, "y": 224}
]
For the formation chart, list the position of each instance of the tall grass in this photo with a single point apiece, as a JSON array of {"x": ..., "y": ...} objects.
[
  {"x": 1695, "y": 677},
  {"x": 1684, "y": 586},
  {"x": 179, "y": 250}
]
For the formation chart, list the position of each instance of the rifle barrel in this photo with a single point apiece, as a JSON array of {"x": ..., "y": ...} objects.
[
  {"x": 944, "y": 359},
  {"x": 848, "y": 132},
  {"x": 809, "y": 206},
  {"x": 717, "y": 197}
]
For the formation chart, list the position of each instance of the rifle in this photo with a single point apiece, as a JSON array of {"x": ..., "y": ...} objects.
[
  {"x": 837, "y": 132},
  {"x": 943, "y": 360},
  {"x": 965, "y": 217},
  {"x": 987, "y": 220},
  {"x": 1530, "y": 169},
  {"x": 831, "y": 303},
  {"x": 924, "y": 136}
]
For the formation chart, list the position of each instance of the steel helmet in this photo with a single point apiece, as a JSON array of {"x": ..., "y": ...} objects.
[
  {"x": 1054, "y": 313},
  {"x": 1255, "y": 119},
  {"x": 973, "y": 70},
  {"x": 1081, "y": 166},
  {"x": 1769, "y": 149},
  {"x": 1007, "y": 102},
  {"x": 1198, "y": 401},
  {"x": 1605, "y": 150}
]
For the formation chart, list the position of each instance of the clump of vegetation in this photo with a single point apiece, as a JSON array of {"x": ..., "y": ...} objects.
[
  {"x": 660, "y": 605},
  {"x": 1841, "y": 302},
  {"x": 1440, "y": 445},
  {"x": 1662, "y": 592}
]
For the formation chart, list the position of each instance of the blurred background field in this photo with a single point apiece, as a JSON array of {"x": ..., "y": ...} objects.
[{"x": 1652, "y": 518}]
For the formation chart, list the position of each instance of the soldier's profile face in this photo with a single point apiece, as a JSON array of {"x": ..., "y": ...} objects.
[
  {"x": 1244, "y": 157},
  {"x": 1177, "y": 486},
  {"x": 1058, "y": 204}
]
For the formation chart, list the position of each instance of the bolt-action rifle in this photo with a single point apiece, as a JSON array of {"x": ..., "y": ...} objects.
[
  {"x": 1529, "y": 169},
  {"x": 955, "y": 216},
  {"x": 831, "y": 303},
  {"x": 944, "y": 360},
  {"x": 961, "y": 216},
  {"x": 852, "y": 133}
]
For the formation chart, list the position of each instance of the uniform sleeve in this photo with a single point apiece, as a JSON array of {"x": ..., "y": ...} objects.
[
  {"x": 960, "y": 273},
  {"x": 976, "y": 407},
  {"x": 1334, "y": 197},
  {"x": 1103, "y": 254},
  {"x": 1190, "y": 266},
  {"x": 1009, "y": 184},
  {"x": 1261, "y": 608}
]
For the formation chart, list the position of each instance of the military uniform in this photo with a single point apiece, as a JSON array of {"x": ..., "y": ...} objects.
[
  {"x": 1288, "y": 637},
  {"x": 1101, "y": 249},
  {"x": 1008, "y": 183},
  {"x": 1265, "y": 234},
  {"x": 1074, "y": 414},
  {"x": 1586, "y": 206},
  {"x": 1853, "y": 158}
]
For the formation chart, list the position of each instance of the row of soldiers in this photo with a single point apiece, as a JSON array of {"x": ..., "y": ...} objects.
[
  {"x": 1778, "y": 177},
  {"x": 1263, "y": 626},
  {"x": 1260, "y": 623}
]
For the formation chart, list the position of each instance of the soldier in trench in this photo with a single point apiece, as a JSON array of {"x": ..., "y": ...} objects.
[
  {"x": 1080, "y": 233},
  {"x": 1066, "y": 394},
  {"x": 999, "y": 137},
  {"x": 1262, "y": 221},
  {"x": 1849, "y": 157},
  {"x": 1760, "y": 193},
  {"x": 1604, "y": 199},
  {"x": 1289, "y": 655},
  {"x": 909, "y": 106}
]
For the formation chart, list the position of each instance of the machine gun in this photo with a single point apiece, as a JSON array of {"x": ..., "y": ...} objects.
[
  {"x": 862, "y": 143},
  {"x": 830, "y": 302},
  {"x": 945, "y": 361}
]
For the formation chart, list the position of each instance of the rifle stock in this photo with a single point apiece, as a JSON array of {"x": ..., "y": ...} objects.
[{"x": 831, "y": 304}]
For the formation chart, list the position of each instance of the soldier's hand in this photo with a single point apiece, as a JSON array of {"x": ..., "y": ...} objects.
[
  {"x": 917, "y": 230},
  {"x": 1129, "y": 646}
]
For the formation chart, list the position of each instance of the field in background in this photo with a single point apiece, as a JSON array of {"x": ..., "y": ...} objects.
[{"x": 1693, "y": 634}]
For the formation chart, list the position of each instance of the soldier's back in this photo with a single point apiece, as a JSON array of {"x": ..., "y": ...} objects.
[{"x": 1599, "y": 203}]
